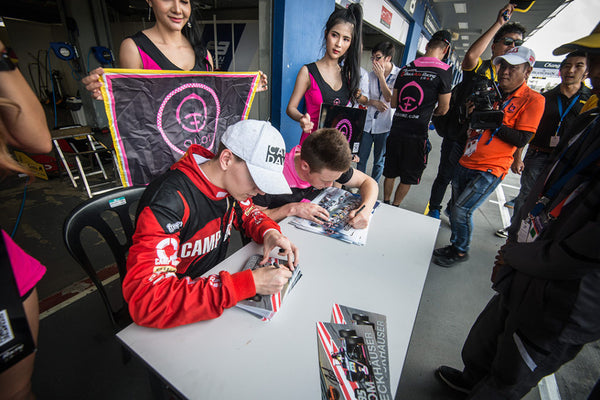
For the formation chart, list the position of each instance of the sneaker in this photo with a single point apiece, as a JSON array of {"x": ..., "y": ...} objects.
[
  {"x": 453, "y": 378},
  {"x": 510, "y": 204},
  {"x": 452, "y": 257},
  {"x": 434, "y": 214},
  {"x": 444, "y": 251},
  {"x": 502, "y": 233}
]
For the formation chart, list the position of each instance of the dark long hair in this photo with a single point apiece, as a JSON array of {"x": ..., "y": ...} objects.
[
  {"x": 350, "y": 61},
  {"x": 192, "y": 31}
]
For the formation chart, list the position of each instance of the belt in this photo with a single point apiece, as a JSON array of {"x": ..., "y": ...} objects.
[{"x": 546, "y": 150}]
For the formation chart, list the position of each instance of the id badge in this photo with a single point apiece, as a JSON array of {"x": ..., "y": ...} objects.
[
  {"x": 554, "y": 140},
  {"x": 527, "y": 232},
  {"x": 471, "y": 146}
]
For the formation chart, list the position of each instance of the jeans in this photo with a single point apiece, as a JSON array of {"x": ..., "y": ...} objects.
[
  {"x": 535, "y": 162},
  {"x": 450, "y": 154},
  {"x": 378, "y": 140},
  {"x": 470, "y": 188}
]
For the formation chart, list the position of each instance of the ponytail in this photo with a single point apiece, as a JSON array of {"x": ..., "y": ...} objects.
[{"x": 350, "y": 61}]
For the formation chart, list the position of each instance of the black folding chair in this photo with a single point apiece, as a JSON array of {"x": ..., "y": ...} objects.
[{"x": 99, "y": 213}]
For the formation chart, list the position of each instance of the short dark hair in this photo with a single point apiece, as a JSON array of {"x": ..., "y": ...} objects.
[
  {"x": 576, "y": 53},
  {"x": 511, "y": 27},
  {"x": 386, "y": 48},
  {"x": 326, "y": 148},
  {"x": 223, "y": 147},
  {"x": 432, "y": 44}
]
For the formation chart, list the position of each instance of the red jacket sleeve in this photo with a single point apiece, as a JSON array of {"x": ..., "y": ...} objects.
[
  {"x": 253, "y": 221},
  {"x": 158, "y": 298}
]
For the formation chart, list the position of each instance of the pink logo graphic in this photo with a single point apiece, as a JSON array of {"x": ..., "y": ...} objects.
[
  {"x": 406, "y": 101},
  {"x": 336, "y": 102},
  {"x": 345, "y": 126},
  {"x": 190, "y": 115}
]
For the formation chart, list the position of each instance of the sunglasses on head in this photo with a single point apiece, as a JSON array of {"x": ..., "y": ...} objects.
[{"x": 509, "y": 41}]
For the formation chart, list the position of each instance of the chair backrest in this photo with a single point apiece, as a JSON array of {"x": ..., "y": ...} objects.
[{"x": 93, "y": 213}]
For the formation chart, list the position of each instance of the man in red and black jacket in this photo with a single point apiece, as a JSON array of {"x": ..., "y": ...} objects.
[{"x": 184, "y": 223}]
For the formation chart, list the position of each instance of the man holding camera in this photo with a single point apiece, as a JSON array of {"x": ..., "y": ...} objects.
[
  {"x": 547, "y": 305},
  {"x": 504, "y": 36},
  {"x": 489, "y": 153}
]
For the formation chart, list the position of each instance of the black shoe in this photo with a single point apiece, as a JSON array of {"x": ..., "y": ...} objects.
[
  {"x": 444, "y": 251},
  {"x": 451, "y": 258},
  {"x": 453, "y": 378}
]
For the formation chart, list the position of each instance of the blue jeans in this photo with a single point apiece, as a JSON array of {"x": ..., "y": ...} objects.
[
  {"x": 378, "y": 140},
  {"x": 535, "y": 162},
  {"x": 470, "y": 188},
  {"x": 449, "y": 156}
]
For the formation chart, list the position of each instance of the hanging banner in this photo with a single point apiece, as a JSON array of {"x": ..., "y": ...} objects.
[{"x": 154, "y": 116}]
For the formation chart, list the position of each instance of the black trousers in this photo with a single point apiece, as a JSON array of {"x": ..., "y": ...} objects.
[
  {"x": 504, "y": 364},
  {"x": 450, "y": 154}
]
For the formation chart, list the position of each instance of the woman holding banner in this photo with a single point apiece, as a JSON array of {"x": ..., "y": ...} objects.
[
  {"x": 335, "y": 78},
  {"x": 172, "y": 43}
]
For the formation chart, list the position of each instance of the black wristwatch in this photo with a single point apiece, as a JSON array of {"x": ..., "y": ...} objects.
[{"x": 7, "y": 62}]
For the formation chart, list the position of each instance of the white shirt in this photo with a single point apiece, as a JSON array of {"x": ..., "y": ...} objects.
[{"x": 383, "y": 122}]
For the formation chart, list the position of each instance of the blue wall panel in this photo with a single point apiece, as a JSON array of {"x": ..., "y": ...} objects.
[{"x": 297, "y": 40}]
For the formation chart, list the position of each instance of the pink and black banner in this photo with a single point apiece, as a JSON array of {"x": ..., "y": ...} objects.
[{"x": 155, "y": 116}]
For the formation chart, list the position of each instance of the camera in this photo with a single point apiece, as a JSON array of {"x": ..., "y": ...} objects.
[{"x": 484, "y": 97}]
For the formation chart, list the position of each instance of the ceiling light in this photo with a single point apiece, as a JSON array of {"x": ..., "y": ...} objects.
[
  {"x": 460, "y": 8},
  {"x": 463, "y": 25},
  {"x": 464, "y": 37}
]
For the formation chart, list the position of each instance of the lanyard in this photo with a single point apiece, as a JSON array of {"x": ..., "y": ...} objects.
[
  {"x": 504, "y": 105},
  {"x": 558, "y": 185},
  {"x": 560, "y": 111}
]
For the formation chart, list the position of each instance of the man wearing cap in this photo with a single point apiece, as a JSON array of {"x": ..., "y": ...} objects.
[
  {"x": 563, "y": 103},
  {"x": 547, "y": 274},
  {"x": 419, "y": 86},
  {"x": 183, "y": 225},
  {"x": 504, "y": 36},
  {"x": 488, "y": 153}
]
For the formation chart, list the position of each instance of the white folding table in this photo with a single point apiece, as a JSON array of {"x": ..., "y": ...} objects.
[{"x": 237, "y": 356}]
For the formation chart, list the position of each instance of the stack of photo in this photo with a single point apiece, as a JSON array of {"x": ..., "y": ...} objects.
[{"x": 266, "y": 306}]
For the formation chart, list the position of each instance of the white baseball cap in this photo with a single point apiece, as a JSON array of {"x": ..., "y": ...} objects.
[
  {"x": 517, "y": 55},
  {"x": 263, "y": 149}
]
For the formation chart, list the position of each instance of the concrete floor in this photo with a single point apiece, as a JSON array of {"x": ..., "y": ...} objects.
[{"x": 79, "y": 358}]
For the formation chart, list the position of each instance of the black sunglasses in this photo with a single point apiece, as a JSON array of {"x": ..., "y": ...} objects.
[{"x": 509, "y": 41}]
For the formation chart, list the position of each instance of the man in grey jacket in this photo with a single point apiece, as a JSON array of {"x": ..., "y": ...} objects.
[{"x": 548, "y": 273}]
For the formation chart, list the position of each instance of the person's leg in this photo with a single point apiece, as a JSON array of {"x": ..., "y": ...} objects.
[
  {"x": 450, "y": 153},
  {"x": 401, "y": 192},
  {"x": 535, "y": 162},
  {"x": 480, "y": 185},
  {"x": 390, "y": 166},
  {"x": 379, "y": 148},
  {"x": 388, "y": 188},
  {"x": 364, "y": 150},
  {"x": 16, "y": 381},
  {"x": 520, "y": 364}
]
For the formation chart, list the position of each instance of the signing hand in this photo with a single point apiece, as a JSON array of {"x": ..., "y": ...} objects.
[
  {"x": 269, "y": 279},
  {"x": 306, "y": 124},
  {"x": 263, "y": 82},
  {"x": 93, "y": 84},
  {"x": 359, "y": 220},
  {"x": 274, "y": 238}
]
